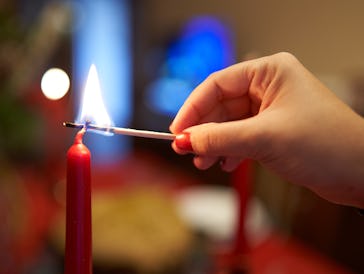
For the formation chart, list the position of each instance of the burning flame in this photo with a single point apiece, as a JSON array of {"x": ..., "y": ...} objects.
[{"x": 93, "y": 109}]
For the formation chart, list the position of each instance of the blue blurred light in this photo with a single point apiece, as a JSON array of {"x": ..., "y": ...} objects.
[
  {"x": 103, "y": 37},
  {"x": 204, "y": 46},
  {"x": 159, "y": 94}
]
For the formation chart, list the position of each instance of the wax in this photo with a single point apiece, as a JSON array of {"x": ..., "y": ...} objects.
[
  {"x": 242, "y": 182},
  {"x": 78, "y": 253}
]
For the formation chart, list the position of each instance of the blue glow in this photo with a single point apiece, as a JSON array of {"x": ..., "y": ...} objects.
[
  {"x": 159, "y": 94},
  {"x": 103, "y": 37},
  {"x": 203, "y": 46}
]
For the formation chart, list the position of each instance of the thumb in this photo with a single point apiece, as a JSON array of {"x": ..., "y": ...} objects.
[{"x": 239, "y": 139}]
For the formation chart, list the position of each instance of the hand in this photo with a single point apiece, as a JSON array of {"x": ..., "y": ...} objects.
[{"x": 275, "y": 111}]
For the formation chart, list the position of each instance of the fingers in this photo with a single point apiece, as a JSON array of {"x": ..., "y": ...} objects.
[
  {"x": 210, "y": 142},
  {"x": 229, "y": 164},
  {"x": 218, "y": 97},
  {"x": 228, "y": 139},
  {"x": 210, "y": 153},
  {"x": 204, "y": 162},
  {"x": 224, "y": 113},
  {"x": 238, "y": 91}
]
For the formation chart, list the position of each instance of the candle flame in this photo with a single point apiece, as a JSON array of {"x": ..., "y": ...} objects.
[{"x": 93, "y": 109}]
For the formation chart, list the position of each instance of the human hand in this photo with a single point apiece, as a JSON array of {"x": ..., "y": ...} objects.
[{"x": 275, "y": 111}]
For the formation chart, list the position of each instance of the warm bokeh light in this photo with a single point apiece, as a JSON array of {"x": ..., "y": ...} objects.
[{"x": 55, "y": 83}]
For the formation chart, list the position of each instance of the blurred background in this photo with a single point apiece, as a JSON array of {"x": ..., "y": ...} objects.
[{"x": 153, "y": 212}]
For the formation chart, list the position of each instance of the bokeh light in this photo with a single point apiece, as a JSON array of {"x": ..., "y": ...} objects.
[
  {"x": 55, "y": 83},
  {"x": 204, "y": 45}
]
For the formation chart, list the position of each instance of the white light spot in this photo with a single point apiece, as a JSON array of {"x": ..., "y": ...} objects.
[{"x": 55, "y": 83}]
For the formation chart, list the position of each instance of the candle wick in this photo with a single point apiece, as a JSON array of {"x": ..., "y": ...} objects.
[
  {"x": 86, "y": 125},
  {"x": 79, "y": 136}
]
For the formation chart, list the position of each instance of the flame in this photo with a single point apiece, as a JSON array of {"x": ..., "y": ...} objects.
[{"x": 93, "y": 109}]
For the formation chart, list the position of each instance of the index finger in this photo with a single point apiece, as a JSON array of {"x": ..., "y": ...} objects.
[{"x": 214, "y": 97}]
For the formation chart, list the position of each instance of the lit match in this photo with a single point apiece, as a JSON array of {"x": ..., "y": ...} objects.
[{"x": 123, "y": 131}]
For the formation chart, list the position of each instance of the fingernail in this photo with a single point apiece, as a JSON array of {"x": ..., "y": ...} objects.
[{"x": 183, "y": 141}]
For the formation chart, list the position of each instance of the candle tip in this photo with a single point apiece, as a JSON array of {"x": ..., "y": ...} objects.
[{"x": 79, "y": 136}]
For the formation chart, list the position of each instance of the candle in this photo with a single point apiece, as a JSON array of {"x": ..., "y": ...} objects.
[
  {"x": 78, "y": 253},
  {"x": 242, "y": 181}
]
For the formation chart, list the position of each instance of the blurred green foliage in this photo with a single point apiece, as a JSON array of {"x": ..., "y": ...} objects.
[{"x": 19, "y": 124}]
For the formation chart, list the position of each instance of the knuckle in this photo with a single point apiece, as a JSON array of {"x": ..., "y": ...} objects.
[
  {"x": 286, "y": 60},
  {"x": 284, "y": 55}
]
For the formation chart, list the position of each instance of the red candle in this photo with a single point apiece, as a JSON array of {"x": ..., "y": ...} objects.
[
  {"x": 242, "y": 182},
  {"x": 78, "y": 254}
]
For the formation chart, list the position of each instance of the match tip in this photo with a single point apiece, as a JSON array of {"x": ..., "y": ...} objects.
[{"x": 72, "y": 125}]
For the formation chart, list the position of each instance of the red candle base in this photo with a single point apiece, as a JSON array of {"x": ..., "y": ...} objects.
[
  {"x": 78, "y": 253},
  {"x": 242, "y": 183}
]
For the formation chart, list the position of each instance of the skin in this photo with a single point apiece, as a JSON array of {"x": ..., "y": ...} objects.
[{"x": 273, "y": 110}]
